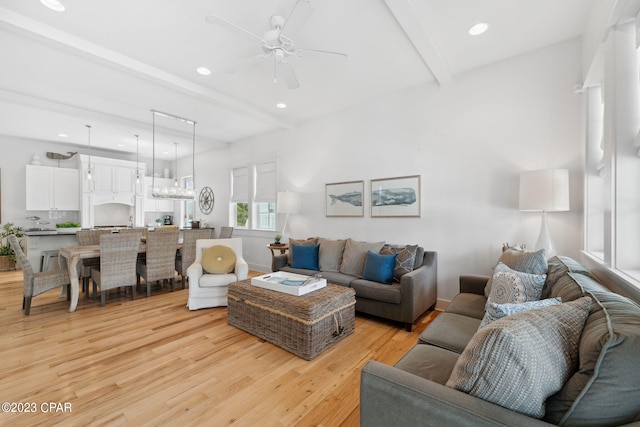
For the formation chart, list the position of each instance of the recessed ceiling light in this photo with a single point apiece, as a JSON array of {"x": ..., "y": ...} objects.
[
  {"x": 281, "y": 105},
  {"x": 121, "y": 145},
  {"x": 53, "y": 5},
  {"x": 203, "y": 70},
  {"x": 63, "y": 135},
  {"x": 479, "y": 28}
]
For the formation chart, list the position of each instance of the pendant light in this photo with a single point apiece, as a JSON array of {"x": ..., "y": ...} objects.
[
  {"x": 175, "y": 177},
  {"x": 89, "y": 171},
  {"x": 137, "y": 160}
]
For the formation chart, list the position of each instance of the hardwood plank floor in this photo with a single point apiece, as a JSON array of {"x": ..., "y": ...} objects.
[{"x": 153, "y": 362}]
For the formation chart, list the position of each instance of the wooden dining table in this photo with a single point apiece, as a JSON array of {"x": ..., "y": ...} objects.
[{"x": 73, "y": 255}]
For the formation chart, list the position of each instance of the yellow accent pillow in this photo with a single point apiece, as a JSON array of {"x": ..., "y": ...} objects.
[{"x": 218, "y": 260}]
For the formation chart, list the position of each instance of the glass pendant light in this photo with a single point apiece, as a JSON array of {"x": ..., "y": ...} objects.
[
  {"x": 89, "y": 171},
  {"x": 137, "y": 160}
]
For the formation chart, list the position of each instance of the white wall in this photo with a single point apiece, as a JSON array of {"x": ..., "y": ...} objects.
[{"x": 468, "y": 141}]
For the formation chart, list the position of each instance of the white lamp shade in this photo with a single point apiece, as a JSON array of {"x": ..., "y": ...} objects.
[
  {"x": 544, "y": 190},
  {"x": 287, "y": 202}
]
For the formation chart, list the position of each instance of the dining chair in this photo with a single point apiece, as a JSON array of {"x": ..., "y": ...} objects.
[
  {"x": 40, "y": 282},
  {"x": 89, "y": 238},
  {"x": 159, "y": 261},
  {"x": 225, "y": 232},
  {"x": 118, "y": 258},
  {"x": 187, "y": 254}
]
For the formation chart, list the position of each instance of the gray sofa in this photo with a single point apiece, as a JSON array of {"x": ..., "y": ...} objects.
[
  {"x": 604, "y": 390},
  {"x": 340, "y": 262}
]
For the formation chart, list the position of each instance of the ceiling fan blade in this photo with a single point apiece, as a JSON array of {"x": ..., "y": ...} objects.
[
  {"x": 301, "y": 12},
  {"x": 246, "y": 63},
  {"x": 231, "y": 27},
  {"x": 285, "y": 71},
  {"x": 321, "y": 54}
]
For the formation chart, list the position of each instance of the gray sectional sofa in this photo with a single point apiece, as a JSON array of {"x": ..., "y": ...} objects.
[
  {"x": 407, "y": 297},
  {"x": 602, "y": 388}
]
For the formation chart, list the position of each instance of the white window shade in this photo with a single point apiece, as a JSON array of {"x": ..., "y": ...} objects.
[
  {"x": 266, "y": 182},
  {"x": 240, "y": 185}
]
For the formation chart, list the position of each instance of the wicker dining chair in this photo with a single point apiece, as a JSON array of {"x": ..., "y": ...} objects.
[
  {"x": 159, "y": 262},
  {"x": 118, "y": 258},
  {"x": 225, "y": 232},
  {"x": 186, "y": 255},
  {"x": 89, "y": 238},
  {"x": 40, "y": 282}
]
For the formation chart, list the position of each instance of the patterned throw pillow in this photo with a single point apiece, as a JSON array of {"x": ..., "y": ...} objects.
[
  {"x": 498, "y": 311},
  {"x": 519, "y": 361},
  {"x": 514, "y": 287},
  {"x": 355, "y": 254},
  {"x": 404, "y": 261},
  {"x": 519, "y": 260}
]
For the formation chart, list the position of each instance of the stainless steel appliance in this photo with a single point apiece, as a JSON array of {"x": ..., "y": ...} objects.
[{"x": 168, "y": 220}]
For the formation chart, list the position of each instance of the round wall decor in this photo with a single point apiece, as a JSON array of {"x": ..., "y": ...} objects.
[{"x": 206, "y": 200}]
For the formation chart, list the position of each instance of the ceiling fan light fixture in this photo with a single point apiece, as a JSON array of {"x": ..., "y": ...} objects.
[
  {"x": 203, "y": 71},
  {"x": 479, "y": 28},
  {"x": 54, "y": 5}
]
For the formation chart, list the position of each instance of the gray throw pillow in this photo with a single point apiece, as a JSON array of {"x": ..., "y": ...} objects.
[
  {"x": 330, "y": 254},
  {"x": 519, "y": 260},
  {"x": 519, "y": 361},
  {"x": 498, "y": 311},
  {"x": 355, "y": 254},
  {"x": 405, "y": 260}
]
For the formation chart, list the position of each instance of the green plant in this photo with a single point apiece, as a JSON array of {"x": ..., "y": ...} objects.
[
  {"x": 7, "y": 230},
  {"x": 68, "y": 224},
  {"x": 278, "y": 237}
]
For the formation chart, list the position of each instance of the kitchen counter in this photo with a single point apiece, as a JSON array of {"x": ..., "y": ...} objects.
[
  {"x": 50, "y": 233},
  {"x": 47, "y": 240}
]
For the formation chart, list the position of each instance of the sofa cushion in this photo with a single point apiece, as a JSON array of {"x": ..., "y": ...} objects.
[
  {"x": 498, "y": 311},
  {"x": 604, "y": 390},
  {"x": 515, "y": 287},
  {"x": 558, "y": 266},
  {"x": 304, "y": 242},
  {"x": 405, "y": 260},
  {"x": 377, "y": 291},
  {"x": 218, "y": 259},
  {"x": 520, "y": 260},
  {"x": 519, "y": 361},
  {"x": 467, "y": 304},
  {"x": 304, "y": 256},
  {"x": 330, "y": 254},
  {"x": 429, "y": 362},
  {"x": 450, "y": 331},
  {"x": 355, "y": 254},
  {"x": 378, "y": 267},
  {"x": 419, "y": 257}
]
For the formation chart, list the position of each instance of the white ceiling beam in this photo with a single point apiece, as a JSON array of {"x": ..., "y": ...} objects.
[
  {"x": 139, "y": 68},
  {"x": 418, "y": 34}
]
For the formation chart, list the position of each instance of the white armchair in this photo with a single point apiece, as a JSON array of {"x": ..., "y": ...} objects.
[{"x": 210, "y": 290}]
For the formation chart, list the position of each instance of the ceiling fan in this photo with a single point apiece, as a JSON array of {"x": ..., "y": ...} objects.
[{"x": 277, "y": 44}]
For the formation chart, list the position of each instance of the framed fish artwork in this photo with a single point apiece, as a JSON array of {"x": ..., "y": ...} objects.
[
  {"x": 395, "y": 197},
  {"x": 344, "y": 198}
]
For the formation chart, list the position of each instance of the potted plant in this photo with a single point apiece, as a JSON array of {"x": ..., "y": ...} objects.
[
  {"x": 7, "y": 255},
  {"x": 277, "y": 239}
]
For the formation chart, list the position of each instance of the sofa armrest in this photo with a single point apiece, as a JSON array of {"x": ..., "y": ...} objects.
[
  {"x": 194, "y": 272},
  {"x": 241, "y": 269},
  {"x": 419, "y": 288},
  {"x": 390, "y": 396},
  {"x": 279, "y": 261},
  {"x": 473, "y": 284}
]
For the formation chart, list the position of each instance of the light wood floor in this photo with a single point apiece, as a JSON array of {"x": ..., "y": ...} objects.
[{"x": 153, "y": 362}]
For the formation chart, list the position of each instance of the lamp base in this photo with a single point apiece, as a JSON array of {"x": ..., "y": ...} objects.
[{"x": 544, "y": 239}]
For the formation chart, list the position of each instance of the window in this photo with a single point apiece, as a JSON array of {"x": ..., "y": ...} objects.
[
  {"x": 612, "y": 168},
  {"x": 253, "y": 196}
]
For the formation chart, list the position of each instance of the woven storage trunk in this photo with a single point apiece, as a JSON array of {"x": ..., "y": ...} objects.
[{"x": 303, "y": 325}]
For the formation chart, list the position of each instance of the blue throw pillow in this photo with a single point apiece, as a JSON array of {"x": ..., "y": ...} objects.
[
  {"x": 379, "y": 268},
  {"x": 303, "y": 256}
]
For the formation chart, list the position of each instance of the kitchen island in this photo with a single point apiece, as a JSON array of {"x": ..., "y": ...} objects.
[{"x": 47, "y": 240}]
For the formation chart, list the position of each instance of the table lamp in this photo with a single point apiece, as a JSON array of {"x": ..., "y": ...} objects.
[
  {"x": 287, "y": 203},
  {"x": 545, "y": 191}
]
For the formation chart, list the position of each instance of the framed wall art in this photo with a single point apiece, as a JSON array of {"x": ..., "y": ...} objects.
[
  {"x": 395, "y": 197},
  {"x": 344, "y": 198}
]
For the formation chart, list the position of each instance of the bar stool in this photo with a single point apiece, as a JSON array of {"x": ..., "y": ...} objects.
[{"x": 45, "y": 257}]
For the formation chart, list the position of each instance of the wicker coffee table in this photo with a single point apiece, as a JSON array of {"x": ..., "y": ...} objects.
[{"x": 303, "y": 325}]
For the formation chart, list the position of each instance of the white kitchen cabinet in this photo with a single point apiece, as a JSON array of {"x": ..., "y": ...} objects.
[
  {"x": 157, "y": 205},
  {"x": 51, "y": 188}
]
